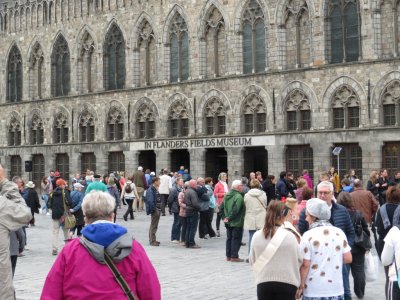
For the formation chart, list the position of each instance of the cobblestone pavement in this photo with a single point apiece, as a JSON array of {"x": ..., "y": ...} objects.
[{"x": 183, "y": 273}]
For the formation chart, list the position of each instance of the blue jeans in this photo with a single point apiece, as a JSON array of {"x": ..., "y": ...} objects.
[
  {"x": 346, "y": 281},
  {"x": 45, "y": 198},
  {"x": 192, "y": 223},
  {"x": 251, "y": 233},
  {"x": 233, "y": 241},
  {"x": 176, "y": 228}
]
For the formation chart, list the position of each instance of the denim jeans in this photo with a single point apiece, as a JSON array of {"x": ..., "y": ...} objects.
[
  {"x": 191, "y": 228},
  {"x": 129, "y": 211},
  {"x": 251, "y": 233},
  {"x": 176, "y": 228},
  {"x": 183, "y": 231},
  {"x": 346, "y": 281},
  {"x": 233, "y": 241},
  {"x": 45, "y": 198}
]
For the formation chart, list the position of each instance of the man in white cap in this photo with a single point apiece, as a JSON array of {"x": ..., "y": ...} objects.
[{"x": 139, "y": 179}]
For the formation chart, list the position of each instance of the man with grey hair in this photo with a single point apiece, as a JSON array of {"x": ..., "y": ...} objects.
[
  {"x": 233, "y": 211},
  {"x": 13, "y": 215},
  {"x": 364, "y": 201},
  {"x": 192, "y": 214},
  {"x": 339, "y": 218}
]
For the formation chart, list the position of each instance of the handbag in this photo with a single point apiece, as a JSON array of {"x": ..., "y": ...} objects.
[
  {"x": 118, "y": 277},
  {"x": 69, "y": 218},
  {"x": 361, "y": 239}
]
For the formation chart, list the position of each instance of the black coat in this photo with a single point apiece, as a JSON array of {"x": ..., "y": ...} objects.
[
  {"x": 269, "y": 189},
  {"x": 56, "y": 202},
  {"x": 33, "y": 200},
  {"x": 357, "y": 217}
]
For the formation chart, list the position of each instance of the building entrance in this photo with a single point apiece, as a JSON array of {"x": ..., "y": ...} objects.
[
  {"x": 179, "y": 158},
  {"x": 216, "y": 162},
  {"x": 255, "y": 159},
  {"x": 147, "y": 160}
]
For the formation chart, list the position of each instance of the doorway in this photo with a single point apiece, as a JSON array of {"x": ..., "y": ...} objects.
[
  {"x": 180, "y": 158},
  {"x": 255, "y": 159},
  {"x": 216, "y": 162},
  {"x": 147, "y": 160}
]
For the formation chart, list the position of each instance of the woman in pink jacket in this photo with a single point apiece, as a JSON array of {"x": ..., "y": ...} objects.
[
  {"x": 220, "y": 189},
  {"x": 80, "y": 272}
]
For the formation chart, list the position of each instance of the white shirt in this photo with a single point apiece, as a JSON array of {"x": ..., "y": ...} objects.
[
  {"x": 324, "y": 246},
  {"x": 165, "y": 184},
  {"x": 392, "y": 249}
]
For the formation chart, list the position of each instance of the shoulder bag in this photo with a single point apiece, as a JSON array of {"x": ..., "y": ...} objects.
[
  {"x": 361, "y": 239},
  {"x": 271, "y": 249},
  {"x": 118, "y": 277},
  {"x": 69, "y": 218}
]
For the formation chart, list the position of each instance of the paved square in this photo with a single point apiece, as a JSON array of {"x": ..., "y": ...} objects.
[{"x": 183, "y": 273}]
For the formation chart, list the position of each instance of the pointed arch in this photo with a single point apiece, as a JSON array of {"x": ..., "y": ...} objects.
[
  {"x": 298, "y": 85},
  {"x": 14, "y": 129},
  {"x": 36, "y": 70},
  {"x": 114, "y": 70},
  {"x": 86, "y": 71},
  {"x": 36, "y": 127},
  {"x": 175, "y": 9},
  {"x": 14, "y": 74},
  {"x": 87, "y": 121},
  {"x": 144, "y": 16},
  {"x": 180, "y": 116},
  {"x": 61, "y": 125},
  {"x": 208, "y": 6},
  {"x": 60, "y": 67},
  {"x": 115, "y": 123},
  {"x": 214, "y": 110}
]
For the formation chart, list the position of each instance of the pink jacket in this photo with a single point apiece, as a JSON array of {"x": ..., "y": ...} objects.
[
  {"x": 219, "y": 192},
  {"x": 307, "y": 178},
  {"x": 77, "y": 275}
]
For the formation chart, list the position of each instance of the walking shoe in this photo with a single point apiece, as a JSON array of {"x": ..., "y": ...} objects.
[
  {"x": 237, "y": 260},
  {"x": 54, "y": 252},
  {"x": 48, "y": 214},
  {"x": 218, "y": 235},
  {"x": 125, "y": 218},
  {"x": 228, "y": 259},
  {"x": 195, "y": 246},
  {"x": 203, "y": 238},
  {"x": 175, "y": 242},
  {"x": 243, "y": 244}
]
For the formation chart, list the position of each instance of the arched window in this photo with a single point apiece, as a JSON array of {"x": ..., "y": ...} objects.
[
  {"x": 214, "y": 119},
  {"x": 344, "y": 30},
  {"x": 215, "y": 43},
  {"x": 14, "y": 75},
  {"x": 114, "y": 59},
  {"x": 179, "y": 52},
  {"x": 298, "y": 113},
  {"x": 14, "y": 132},
  {"x": 254, "y": 115},
  {"x": 388, "y": 23},
  {"x": 253, "y": 24},
  {"x": 86, "y": 127},
  {"x": 36, "y": 130},
  {"x": 145, "y": 122},
  {"x": 390, "y": 100},
  {"x": 86, "y": 64},
  {"x": 147, "y": 54},
  {"x": 36, "y": 81},
  {"x": 178, "y": 120},
  {"x": 345, "y": 108},
  {"x": 297, "y": 34},
  {"x": 60, "y": 68},
  {"x": 115, "y": 125},
  {"x": 61, "y": 129}
]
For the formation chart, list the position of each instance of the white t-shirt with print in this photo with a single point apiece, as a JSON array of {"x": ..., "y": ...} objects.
[
  {"x": 324, "y": 246},
  {"x": 392, "y": 239}
]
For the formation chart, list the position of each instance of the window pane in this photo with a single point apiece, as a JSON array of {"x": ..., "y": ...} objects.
[
  {"x": 210, "y": 125},
  {"x": 261, "y": 122},
  {"x": 247, "y": 48},
  {"x": 291, "y": 120},
  {"x": 142, "y": 131},
  {"x": 391, "y": 157},
  {"x": 37, "y": 168},
  {"x": 120, "y": 66},
  {"x": 91, "y": 133},
  {"x": 185, "y": 127},
  {"x": 174, "y": 56},
  {"x": 88, "y": 161},
  {"x": 221, "y": 125},
  {"x": 354, "y": 116},
  {"x": 120, "y": 131},
  {"x": 389, "y": 115},
  {"x": 248, "y": 123},
  {"x": 184, "y": 56},
  {"x": 352, "y": 35},
  {"x": 305, "y": 119},
  {"x": 174, "y": 127},
  {"x": 260, "y": 47},
  {"x": 112, "y": 60},
  {"x": 16, "y": 166},
  {"x": 116, "y": 161},
  {"x": 65, "y": 135},
  {"x": 62, "y": 165},
  {"x": 152, "y": 129},
  {"x": 350, "y": 158},
  {"x": 299, "y": 158},
  {"x": 336, "y": 35},
  {"x": 338, "y": 117}
]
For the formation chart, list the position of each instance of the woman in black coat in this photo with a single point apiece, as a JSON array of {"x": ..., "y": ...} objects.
[
  {"x": 358, "y": 253},
  {"x": 32, "y": 200}
]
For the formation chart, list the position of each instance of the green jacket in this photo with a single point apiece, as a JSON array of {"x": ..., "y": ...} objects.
[{"x": 233, "y": 208}]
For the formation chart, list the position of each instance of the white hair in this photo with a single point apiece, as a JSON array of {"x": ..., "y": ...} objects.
[
  {"x": 325, "y": 184},
  {"x": 98, "y": 205},
  {"x": 236, "y": 183}
]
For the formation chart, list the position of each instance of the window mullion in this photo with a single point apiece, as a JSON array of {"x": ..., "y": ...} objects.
[
  {"x": 253, "y": 50},
  {"x": 396, "y": 30},
  {"x": 343, "y": 32}
]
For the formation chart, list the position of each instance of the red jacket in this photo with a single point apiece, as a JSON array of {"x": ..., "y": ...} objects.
[{"x": 219, "y": 192}]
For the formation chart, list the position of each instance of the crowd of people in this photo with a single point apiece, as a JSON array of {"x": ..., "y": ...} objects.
[{"x": 303, "y": 239}]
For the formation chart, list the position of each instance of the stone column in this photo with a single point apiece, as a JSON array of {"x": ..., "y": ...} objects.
[
  {"x": 276, "y": 159},
  {"x": 74, "y": 163},
  {"x": 131, "y": 161},
  {"x": 25, "y": 175},
  {"x": 235, "y": 163},
  {"x": 371, "y": 158},
  {"x": 197, "y": 162},
  {"x": 163, "y": 159},
  {"x": 101, "y": 161}
]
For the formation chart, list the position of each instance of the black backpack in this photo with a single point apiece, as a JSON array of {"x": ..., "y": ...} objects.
[{"x": 128, "y": 189}]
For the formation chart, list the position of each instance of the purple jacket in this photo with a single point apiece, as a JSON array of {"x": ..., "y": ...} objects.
[{"x": 307, "y": 178}]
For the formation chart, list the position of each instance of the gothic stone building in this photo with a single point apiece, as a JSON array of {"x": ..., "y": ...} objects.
[{"x": 215, "y": 85}]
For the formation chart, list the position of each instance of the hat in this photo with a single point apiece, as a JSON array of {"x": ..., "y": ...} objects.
[
  {"x": 140, "y": 168},
  {"x": 111, "y": 181},
  {"x": 96, "y": 176},
  {"x": 57, "y": 174},
  {"x": 30, "y": 184},
  {"x": 318, "y": 208},
  {"x": 60, "y": 182},
  {"x": 77, "y": 185}
]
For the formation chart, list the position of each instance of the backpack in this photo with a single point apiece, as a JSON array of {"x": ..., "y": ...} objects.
[{"x": 128, "y": 189}]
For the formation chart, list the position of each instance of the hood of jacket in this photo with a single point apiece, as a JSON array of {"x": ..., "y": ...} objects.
[
  {"x": 255, "y": 192},
  {"x": 106, "y": 236}
]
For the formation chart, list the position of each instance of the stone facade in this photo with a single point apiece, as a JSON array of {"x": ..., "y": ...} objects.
[{"x": 298, "y": 56}]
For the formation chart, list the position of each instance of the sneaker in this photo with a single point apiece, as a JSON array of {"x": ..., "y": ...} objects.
[
  {"x": 203, "y": 238},
  {"x": 48, "y": 214},
  {"x": 175, "y": 242},
  {"x": 54, "y": 252},
  {"x": 243, "y": 244},
  {"x": 228, "y": 259},
  {"x": 237, "y": 260},
  {"x": 27, "y": 248},
  {"x": 218, "y": 235}
]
